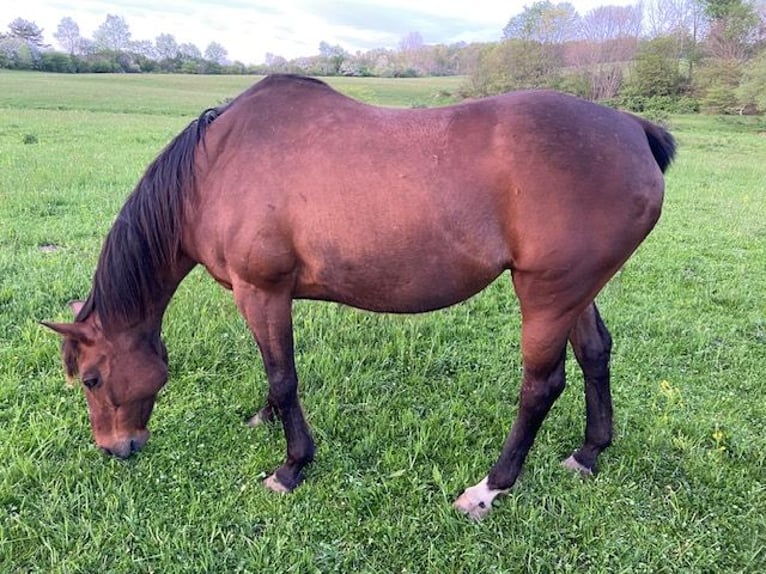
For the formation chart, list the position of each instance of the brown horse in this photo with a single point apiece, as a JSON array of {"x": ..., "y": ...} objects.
[{"x": 296, "y": 191}]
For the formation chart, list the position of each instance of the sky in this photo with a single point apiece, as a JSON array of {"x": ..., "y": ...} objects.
[{"x": 249, "y": 29}]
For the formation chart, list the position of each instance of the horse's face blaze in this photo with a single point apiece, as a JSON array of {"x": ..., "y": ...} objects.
[{"x": 121, "y": 377}]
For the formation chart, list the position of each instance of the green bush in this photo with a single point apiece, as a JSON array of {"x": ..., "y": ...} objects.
[
  {"x": 658, "y": 104},
  {"x": 56, "y": 62}
]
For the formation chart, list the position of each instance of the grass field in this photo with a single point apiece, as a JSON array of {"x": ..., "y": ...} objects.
[{"x": 406, "y": 411}]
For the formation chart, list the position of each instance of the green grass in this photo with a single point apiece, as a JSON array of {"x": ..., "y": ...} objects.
[
  {"x": 188, "y": 95},
  {"x": 407, "y": 411}
]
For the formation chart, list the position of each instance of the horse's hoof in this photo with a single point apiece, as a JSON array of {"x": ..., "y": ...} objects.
[
  {"x": 272, "y": 483},
  {"x": 476, "y": 501},
  {"x": 255, "y": 420},
  {"x": 572, "y": 464},
  {"x": 265, "y": 415},
  {"x": 472, "y": 508}
]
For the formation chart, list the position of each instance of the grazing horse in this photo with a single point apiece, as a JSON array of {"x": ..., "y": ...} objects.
[{"x": 293, "y": 190}]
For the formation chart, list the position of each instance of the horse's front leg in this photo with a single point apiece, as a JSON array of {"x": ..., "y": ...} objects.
[{"x": 268, "y": 314}]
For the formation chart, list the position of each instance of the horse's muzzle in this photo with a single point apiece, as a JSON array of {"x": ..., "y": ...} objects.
[{"x": 127, "y": 446}]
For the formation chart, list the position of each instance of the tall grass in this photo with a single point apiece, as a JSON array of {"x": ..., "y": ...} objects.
[{"x": 406, "y": 411}]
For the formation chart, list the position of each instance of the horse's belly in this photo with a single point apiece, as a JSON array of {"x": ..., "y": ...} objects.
[{"x": 397, "y": 288}]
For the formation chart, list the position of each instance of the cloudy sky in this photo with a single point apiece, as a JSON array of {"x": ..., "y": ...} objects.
[{"x": 249, "y": 29}]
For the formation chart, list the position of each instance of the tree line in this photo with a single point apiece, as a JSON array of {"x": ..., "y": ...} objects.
[
  {"x": 675, "y": 55},
  {"x": 111, "y": 49}
]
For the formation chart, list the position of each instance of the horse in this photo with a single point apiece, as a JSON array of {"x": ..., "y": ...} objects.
[{"x": 295, "y": 191}]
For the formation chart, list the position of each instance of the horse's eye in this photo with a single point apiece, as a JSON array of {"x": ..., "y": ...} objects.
[{"x": 91, "y": 382}]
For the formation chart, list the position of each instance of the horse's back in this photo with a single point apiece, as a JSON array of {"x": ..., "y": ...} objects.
[{"x": 372, "y": 206}]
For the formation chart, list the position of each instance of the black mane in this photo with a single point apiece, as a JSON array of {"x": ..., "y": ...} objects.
[{"x": 145, "y": 239}]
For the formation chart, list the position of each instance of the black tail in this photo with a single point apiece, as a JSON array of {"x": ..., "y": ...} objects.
[{"x": 661, "y": 142}]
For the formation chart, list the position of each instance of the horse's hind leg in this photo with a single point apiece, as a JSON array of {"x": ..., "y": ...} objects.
[
  {"x": 592, "y": 346},
  {"x": 543, "y": 347},
  {"x": 268, "y": 314}
]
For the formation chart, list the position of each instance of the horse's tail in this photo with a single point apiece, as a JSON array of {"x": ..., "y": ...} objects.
[{"x": 661, "y": 142}]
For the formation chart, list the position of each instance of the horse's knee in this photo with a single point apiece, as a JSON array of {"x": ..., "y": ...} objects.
[{"x": 541, "y": 391}]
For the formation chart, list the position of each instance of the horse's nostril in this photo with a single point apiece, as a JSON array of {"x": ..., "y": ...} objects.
[{"x": 107, "y": 451}]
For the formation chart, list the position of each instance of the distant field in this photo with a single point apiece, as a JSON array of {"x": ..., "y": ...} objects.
[
  {"x": 188, "y": 95},
  {"x": 406, "y": 411}
]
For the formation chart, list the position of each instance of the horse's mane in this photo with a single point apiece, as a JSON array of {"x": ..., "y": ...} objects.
[{"x": 145, "y": 239}]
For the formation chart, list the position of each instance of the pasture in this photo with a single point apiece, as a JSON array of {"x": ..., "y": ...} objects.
[{"x": 406, "y": 410}]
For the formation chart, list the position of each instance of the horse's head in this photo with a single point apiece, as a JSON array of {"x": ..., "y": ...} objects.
[{"x": 121, "y": 372}]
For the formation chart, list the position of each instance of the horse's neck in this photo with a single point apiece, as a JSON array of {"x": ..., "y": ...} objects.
[
  {"x": 170, "y": 279},
  {"x": 148, "y": 316}
]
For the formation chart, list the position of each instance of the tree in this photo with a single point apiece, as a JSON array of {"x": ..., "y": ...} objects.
[
  {"x": 16, "y": 53},
  {"x": 166, "y": 46},
  {"x": 68, "y": 35},
  {"x": 86, "y": 46},
  {"x": 544, "y": 22},
  {"x": 144, "y": 48},
  {"x": 113, "y": 34},
  {"x": 684, "y": 21},
  {"x": 752, "y": 89},
  {"x": 188, "y": 51},
  {"x": 275, "y": 62},
  {"x": 333, "y": 57},
  {"x": 513, "y": 65},
  {"x": 413, "y": 55},
  {"x": 734, "y": 25},
  {"x": 718, "y": 81},
  {"x": 655, "y": 73},
  {"x": 20, "y": 48},
  {"x": 534, "y": 46},
  {"x": 733, "y": 32},
  {"x": 671, "y": 17},
  {"x": 608, "y": 23},
  {"x": 411, "y": 42},
  {"x": 610, "y": 34},
  {"x": 216, "y": 53},
  {"x": 26, "y": 31}
]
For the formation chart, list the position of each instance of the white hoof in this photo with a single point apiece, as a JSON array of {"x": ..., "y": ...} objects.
[
  {"x": 255, "y": 420},
  {"x": 272, "y": 483},
  {"x": 476, "y": 501},
  {"x": 572, "y": 464}
]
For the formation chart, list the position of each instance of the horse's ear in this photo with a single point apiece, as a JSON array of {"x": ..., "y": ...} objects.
[
  {"x": 80, "y": 332},
  {"x": 75, "y": 306}
]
